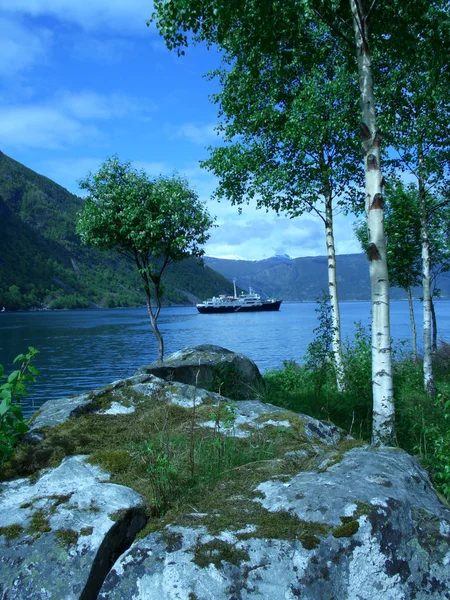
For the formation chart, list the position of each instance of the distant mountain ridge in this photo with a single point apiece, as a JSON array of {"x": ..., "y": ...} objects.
[
  {"x": 43, "y": 265},
  {"x": 304, "y": 279}
]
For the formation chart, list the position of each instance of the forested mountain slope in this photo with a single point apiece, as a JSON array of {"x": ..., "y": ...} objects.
[
  {"x": 304, "y": 279},
  {"x": 42, "y": 263}
]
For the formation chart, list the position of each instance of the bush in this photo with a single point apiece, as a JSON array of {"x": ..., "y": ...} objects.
[
  {"x": 71, "y": 301},
  {"x": 12, "y": 422},
  {"x": 422, "y": 422}
]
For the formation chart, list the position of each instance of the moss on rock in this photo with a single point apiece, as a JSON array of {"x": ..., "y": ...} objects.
[
  {"x": 39, "y": 523},
  {"x": 348, "y": 528},
  {"x": 217, "y": 552},
  {"x": 67, "y": 537},
  {"x": 12, "y": 531}
]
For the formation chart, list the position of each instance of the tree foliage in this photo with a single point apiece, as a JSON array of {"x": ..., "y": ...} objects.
[
  {"x": 286, "y": 105},
  {"x": 412, "y": 92},
  {"x": 259, "y": 33},
  {"x": 153, "y": 222},
  {"x": 402, "y": 227}
]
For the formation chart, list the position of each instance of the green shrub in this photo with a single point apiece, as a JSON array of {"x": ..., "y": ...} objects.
[
  {"x": 12, "y": 422},
  {"x": 422, "y": 422},
  {"x": 319, "y": 357},
  {"x": 71, "y": 301}
]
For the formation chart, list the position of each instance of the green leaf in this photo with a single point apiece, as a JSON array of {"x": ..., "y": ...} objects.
[
  {"x": 6, "y": 392},
  {"x": 14, "y": 376},
  {"x": 5, "y": 406}
]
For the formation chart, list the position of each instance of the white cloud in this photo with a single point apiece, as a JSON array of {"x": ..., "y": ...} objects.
[
  {"x": 67, "y": 171},
  {"x": 65, "y": 120},
  {"x": 197, "y": 134},
  {"x": 256, "y": 235},
  {"x": 21, "y": 47},
  {"x": 41, "y": 127},
  {"x": 91, "y": 105},
  {"x": 123, "y": 16}
]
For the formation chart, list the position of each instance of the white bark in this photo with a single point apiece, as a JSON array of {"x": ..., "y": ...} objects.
[
  {"x": 428, "y": 380},
  {"x": 332, "y": 286},
  {"x": 413, "y": 323},
  {"x": 383, "y": 400}
]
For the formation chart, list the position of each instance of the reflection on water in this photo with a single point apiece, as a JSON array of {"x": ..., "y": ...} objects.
[{"x": 82, "y": 350}]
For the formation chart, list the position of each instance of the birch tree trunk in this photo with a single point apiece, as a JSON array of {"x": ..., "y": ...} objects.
[
  {"x": 428, "y": 379},
  {"x": 413, "y": 323},
  {"x": 383, "y": 400},
  {"x": 332, "y": 287}
]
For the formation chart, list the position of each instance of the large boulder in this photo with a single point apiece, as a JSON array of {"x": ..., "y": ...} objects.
[
  {"x": 61, "y": 534},
  {"x": 119, "y": 397},
  {"x": 231, "y": 500},
  {"x": 368, "y": 527},
  {"x": 211, "y": 367}
]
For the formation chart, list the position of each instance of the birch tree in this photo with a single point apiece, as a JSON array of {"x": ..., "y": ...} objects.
[
  {"x": 415, "y": 111},
  {"x": 255, "y": 27},
  {"x": 403, "y": 239},
  {"x": 383, "y": 396},
  {"x": 438, "y": 223},
  {"x": 290, "y": 143},
  {"x": 288, "y": 121}
]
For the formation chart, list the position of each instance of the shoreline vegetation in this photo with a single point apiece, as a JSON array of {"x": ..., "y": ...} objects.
[
  {"x": 421, "y": 421},
  {"x": 188, "y": 305}
]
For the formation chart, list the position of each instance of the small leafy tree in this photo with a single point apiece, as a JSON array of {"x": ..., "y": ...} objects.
[
  {"x": 12, "y": 422},
  {"x": 319, "y": 355},
  {"x": 153, "y": 222}
]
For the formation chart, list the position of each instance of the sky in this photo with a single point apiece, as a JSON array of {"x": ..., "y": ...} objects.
[{"x": 82, "y": 80}]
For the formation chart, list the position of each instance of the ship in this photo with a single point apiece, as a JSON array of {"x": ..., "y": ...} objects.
[{"x": 250, "y": 302}]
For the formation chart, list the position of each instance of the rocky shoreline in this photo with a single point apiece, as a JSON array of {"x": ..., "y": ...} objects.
[{"x": 157, "y": 486}]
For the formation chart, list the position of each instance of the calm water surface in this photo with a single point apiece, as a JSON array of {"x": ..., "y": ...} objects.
[{"x": 82, "y": 350}]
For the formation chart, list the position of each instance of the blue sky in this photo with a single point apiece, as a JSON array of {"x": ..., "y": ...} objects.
[{"x": 81, "y": 80}]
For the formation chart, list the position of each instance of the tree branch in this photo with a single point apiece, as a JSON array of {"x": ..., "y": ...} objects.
[
  {"x": 333, "y": 27},
  {"x": 372, "y": 6}
]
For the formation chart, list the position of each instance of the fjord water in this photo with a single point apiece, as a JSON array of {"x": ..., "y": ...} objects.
[{"x": 86, "y": 349}]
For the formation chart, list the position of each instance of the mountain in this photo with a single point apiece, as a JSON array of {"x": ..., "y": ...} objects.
[
  {"x": 304, "y": 279},
  {"x": 42, "y": 263}
]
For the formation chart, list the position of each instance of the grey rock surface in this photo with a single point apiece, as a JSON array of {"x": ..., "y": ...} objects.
[
  {"x": 388, "y": 538},
  {"x": 213, "y": 368},
  {"x": 71, "y": 525},
  {"x": 120, "y": 397},
  {"x": 314, "y": 515}
]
